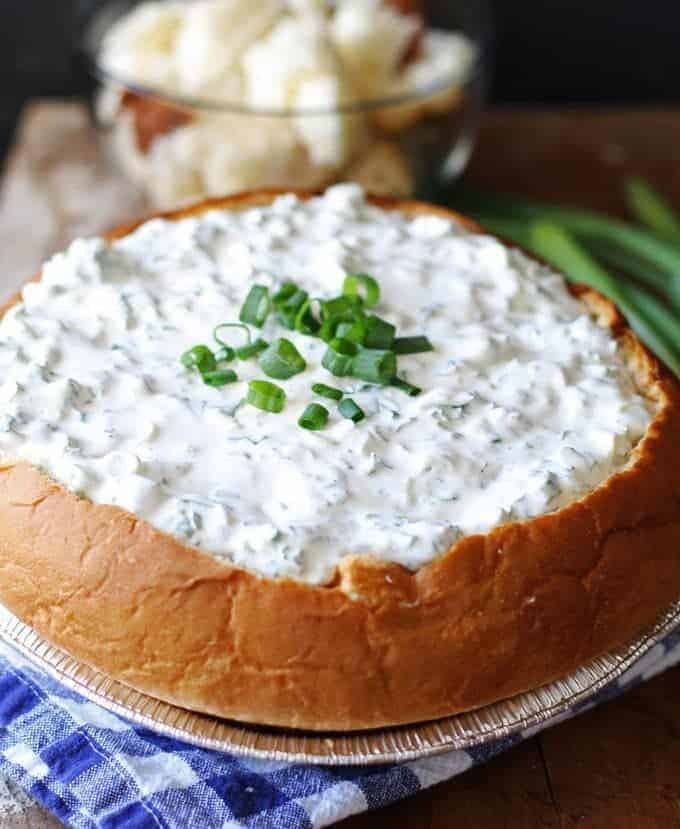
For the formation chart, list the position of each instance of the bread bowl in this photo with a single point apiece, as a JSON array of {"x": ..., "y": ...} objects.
[{"x": 376, "y": 643}]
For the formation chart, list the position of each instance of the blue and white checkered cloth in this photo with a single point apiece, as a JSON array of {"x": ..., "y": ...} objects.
[{"x": 93, "y": 769}]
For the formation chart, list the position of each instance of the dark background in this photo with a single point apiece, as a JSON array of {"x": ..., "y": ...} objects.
[{"x": 547, "y": 52}]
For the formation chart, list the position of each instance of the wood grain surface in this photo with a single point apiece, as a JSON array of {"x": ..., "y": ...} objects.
[{"x": 617, "y": 767}]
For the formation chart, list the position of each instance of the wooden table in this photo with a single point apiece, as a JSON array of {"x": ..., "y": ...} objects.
[{"x": 615, "y": 767}]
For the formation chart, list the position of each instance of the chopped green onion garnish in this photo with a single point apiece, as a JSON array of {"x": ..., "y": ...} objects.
[
  {"x": 411, "y": 345},
  {"x": 379, "y": 333},
  {"x": 224, "y": 326},
  {"x": 403, "y": 385},
  {"x": 284, "y": 293},
  {"x": 282, "y": 360},
  {"x": 288, "y": 310},
  {"x": 225, "y": 354},
  {"x": 266, "y": 396},
  {"x": 371, "y": 290},
  {"x": 305, "y": 321},
  {"x": 327, "y": 391},
  {"x": 199, "y": 357},
  {"x": 349, "y": 409},
  {"x": 345, "y": 347},
  {"x": 219, "y": 378},
  {"x": 252, "y": 350},
  {"x": 355, "y": 331},
  {"x": 255, "y": 309},
  {"x": 339, "y": 356},
  {"x": 331, "y": 325},
  {"x": 340, "y": 305},
  {"x": 314, "y": 417},
  {"x": 374, "y": 366}
]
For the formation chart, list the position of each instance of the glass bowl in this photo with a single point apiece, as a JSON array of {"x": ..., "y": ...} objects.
[{"x": 183, "y": 127}]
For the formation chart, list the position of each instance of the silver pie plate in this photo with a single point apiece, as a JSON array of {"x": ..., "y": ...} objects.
[{"x": 473, "y": 728}]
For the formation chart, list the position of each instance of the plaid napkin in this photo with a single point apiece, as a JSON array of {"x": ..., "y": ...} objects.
[{"x": 92, "y": 768}]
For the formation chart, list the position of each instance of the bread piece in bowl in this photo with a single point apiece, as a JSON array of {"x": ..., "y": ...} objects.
[{"x": 518, "y": 518}]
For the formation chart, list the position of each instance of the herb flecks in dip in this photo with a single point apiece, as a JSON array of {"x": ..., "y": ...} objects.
[{"x": 525, "y": 403}]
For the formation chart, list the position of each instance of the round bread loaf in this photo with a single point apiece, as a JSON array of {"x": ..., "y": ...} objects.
[{"x": 498, "y": 614}]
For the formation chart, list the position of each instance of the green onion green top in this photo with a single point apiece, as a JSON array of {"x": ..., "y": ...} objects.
[
  {"x": 219, "y": 378},
  {"x": 411, "y": 345},
  {"x": 349, "y": 410},
  {"x": 199, "y": 357},
  {"x": 403, "y": 385},
  {"x": 282, "y": 360},
  {"x": 327, "y": 391},
  {"x": 359, "y": 345},
  {"x": 266, "y": 396},
  {"x": 255, "y": 309},
  {"x": 354, "y": 330},
  {"x": 305, "y": 321},
  {"x": 287, "y": 311},
  {"x": 340, "y": 305},
  {"x": 652, "y": 210},
  {"x": 339, "y": 356},
  {"x": 225, "y": 326},
  {"x": 314, "y": 417},
  {"x": 332, "y": 324},
  {"x": 252, "y": 350},
  {"x": 284, "y": 293},
  {"x": 363, "y": 286},
  {"x": 379, "y": 333},
  {"x": 374, "y": 366},
  {"x": 225, "y": 354}
]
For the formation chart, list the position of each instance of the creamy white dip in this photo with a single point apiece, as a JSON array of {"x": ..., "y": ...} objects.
[{"x": 526, "y": 403}]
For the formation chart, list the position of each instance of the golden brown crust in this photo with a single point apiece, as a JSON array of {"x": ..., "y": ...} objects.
[{"x": 498, "y": 614}]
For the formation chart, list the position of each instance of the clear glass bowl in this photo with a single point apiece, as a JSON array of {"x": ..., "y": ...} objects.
[{"x": 178, "y": 147}]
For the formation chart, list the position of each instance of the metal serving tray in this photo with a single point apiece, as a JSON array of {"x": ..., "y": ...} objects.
[{"x": 358, "y": 748}]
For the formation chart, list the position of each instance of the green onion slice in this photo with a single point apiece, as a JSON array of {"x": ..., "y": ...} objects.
[
  {"x": 379, "y": 333},
  {"x": 199, "y": 357},
  {"x": 355, "y": 331},
  {"x": 340, "y": 305},
  {"x": 355, "y": 282},
  {"x": 314, "y": 417},
  {"x": 305, "y": 321},
  {"x": 219, "y": 378},
  {"x": 266, "y": 396},
  {"x": 288, "y": 310},
  {"x": 284, "y": 293},
  {"x": 282, "y": 360},
  {"x": 349, "y": 409},
  {"x": 255, "y": 309},
  {"x": 339, "y": 356},
  {"x": 403, "y": 385},
  {"x": 224, "y": 326},
  {"x": 411, "y": 345},
  {"x": 225, "y": 354},
  {"x": 252, "y": 349},
  {"x": 330, "y": 327},
  {"x": 374, "y": 366},
  {"x": 327, "y": 391}
]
